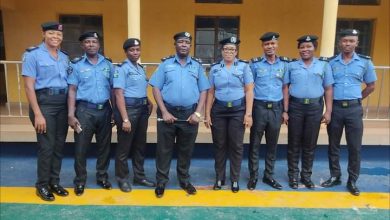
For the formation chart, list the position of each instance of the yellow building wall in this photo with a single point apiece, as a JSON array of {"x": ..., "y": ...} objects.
[{"x": 160, "y": 20}]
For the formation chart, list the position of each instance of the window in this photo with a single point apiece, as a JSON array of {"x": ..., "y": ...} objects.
[
  {"x": 3, "y": 93},
  {"x": 209, "y": 31},
  {"x": 359, "y": 2},
  {"x": 220, "y": 1},
  {"x": 365, "y": 28},
  {"x": 74, "y": 25}
]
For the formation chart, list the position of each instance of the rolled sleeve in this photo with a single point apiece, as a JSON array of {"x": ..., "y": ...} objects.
[{"x": 29, "y": 67}]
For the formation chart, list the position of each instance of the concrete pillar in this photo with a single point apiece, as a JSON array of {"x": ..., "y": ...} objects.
[
  {"x": 133, "y": 18},
  {"x": 329, "y": 22}
]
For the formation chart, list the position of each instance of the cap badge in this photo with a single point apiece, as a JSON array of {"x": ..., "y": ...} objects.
[
  {"x": 233, "y": 39},
  {"x": 136, "y": 42},
  {"x": 308, "y": 38},
  {"x": 187, "y": 34}
]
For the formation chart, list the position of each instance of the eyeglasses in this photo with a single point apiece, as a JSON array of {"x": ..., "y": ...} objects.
[{"x": 226, "y": 49}]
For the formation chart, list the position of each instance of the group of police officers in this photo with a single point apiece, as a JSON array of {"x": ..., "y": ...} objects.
[{"x": 88, "y": 93}]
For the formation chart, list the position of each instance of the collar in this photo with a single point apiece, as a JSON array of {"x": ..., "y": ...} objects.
[
  {"x": 86, "y": 60},
  {"x": 177, "y": 59}
]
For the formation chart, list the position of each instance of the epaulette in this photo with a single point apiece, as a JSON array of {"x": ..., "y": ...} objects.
[
  {"x": 326, "y": 59},
  {"x": 31, "y": 48},
  {"x": 109, "y": 59},
  {"x": 245, "y": 61},
  {"x": 120, "y": 64},
  {"x": 256, "y": 59},
  {"x": 364, "y": 56},
  {"x": 294, "y": 59},
  {"x": 75, "y": 60},
  {"x": 64, "y": 52},
  {"x": 213, "y": 64},
  {"x": 142, "y": 66},
  {"x": 197, "y": 60},
  {"x": 168, "y": 57},
  {"x": 285, "y": 59}
]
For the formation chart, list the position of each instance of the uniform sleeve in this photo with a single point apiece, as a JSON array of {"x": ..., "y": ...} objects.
[
  {"x": 29, "y": 66},
  {"x": 112, "y": 72},
  {"x": 253, "y": 69},
  {"x": 248, "y": 76},
  {"x": 158, "y": 78},
  {"x": 211, "y": 77},
  {"x": 328, "y": 76},
  {"x": 73, "y": 75},
  {"x": 119, "y": 78},
  {"x": 203, "y": 83},
  {"x": 370, "y": 74},
  {"x": 286, "y": 77}
]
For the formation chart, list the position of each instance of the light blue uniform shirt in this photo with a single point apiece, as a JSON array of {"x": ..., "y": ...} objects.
[
  {"x": 229, "y": 83},
  {"x": 308, "y": 82},
  {"x": 93, "y": 81},
  {"x": 269, "y": 78},
  {"x": 348, "y": 77},
  {"x": 132, "y": 79},
  {"x": 180, "y": 85},
  {"x": 47, "y": 71}
]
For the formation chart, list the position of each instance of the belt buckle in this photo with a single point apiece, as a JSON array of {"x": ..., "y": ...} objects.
[
  {"x": 229, "y": 104},
  {"x": 306, "y": 101},
  {"x": 50, "y": 92},
  {"x": 99, "y": 106},
  {"x": 269, "y": 105},
  {"x": 145, "y": 101},
  {"x": 344, "y": 104}
]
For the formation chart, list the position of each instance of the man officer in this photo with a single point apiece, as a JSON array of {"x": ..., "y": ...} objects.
[
  {"x": 268, "y": 72},
  {"x": 350, "y": 70},
  {"x": 90, "y": 83},
  {"x": 179, "y": 88}
]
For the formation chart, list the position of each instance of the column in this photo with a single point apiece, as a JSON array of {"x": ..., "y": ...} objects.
[
  {"x": 329, "y": 27},
  {"x": 133, "y": 18}
]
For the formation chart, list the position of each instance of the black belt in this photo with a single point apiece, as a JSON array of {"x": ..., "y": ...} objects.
[
  {"x": 180, "y": 108},
  {"x": 229, "y": 104},
  {"x": 52, "y": 91},
  {"x": 306, "y": 101},
  {"x": 347, "y": 103},
  {"x": 267, "y": 104},
  {"x": 135, "y": 102},
  {"x": 93, "y": 105}
]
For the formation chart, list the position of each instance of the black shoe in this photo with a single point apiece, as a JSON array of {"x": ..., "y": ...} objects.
[
  {"x": 124, "y": 186},
  {"x": 273, "y": 183},
  {"x": 59, "y": 190},
  {"x": 308, "y": 183},
  {"x": 45, "y": 194},
  {"x": 79, "y": 190},
  {"x": 332, "y": 181},
  {"x": 218, "y": 184},
  {"x": 352, "y": 188},
  {"x": 189, "y": 188},
  {"x": 105, "y": 184},
  {"x": 159, "y": 191},
  {"x": 252, "y": 184},
  {"x": 235, "y": 187},
  {"x": 144, "y": 182},
  {"x": 293, "y": 183}
]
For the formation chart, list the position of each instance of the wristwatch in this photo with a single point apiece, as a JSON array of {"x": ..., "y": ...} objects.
[
  {"x": 126, "y": 120},
  {"x": 197, "y": 114}
]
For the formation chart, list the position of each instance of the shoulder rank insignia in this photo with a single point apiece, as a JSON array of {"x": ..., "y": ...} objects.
[
  {"x": 245, "y": 61},
  {"x": 168, "y": 57},
  {"x": 196, "y": 59},
  {"x": 364, "y": 56},
  {"x": 140, "y": 65},
  {"x": 326, "y": 59},
  {"x": 285, "y": 59},
  {"x": 64, "y": 52},
  {"x": 120, "y": 64},
  {"x": 75, "y": 60},
  {"x": 31, "y": 48},
  {"x": 294, "y": 59},
  {"x": 109, "y": 59},
  {"x": 256, "y": 59}
]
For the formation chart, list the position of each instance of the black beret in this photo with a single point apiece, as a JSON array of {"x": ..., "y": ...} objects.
[
  {"x": 307, "y": 38},
  {"x": 269, "y": 36},
  {"x": 349, "y": 32},
  {"x": 51, "y": 25},
  {"x": 230, "y": 40},
  {"x": 182, "y": 35},
  {"x": 92, "y": 34},
  {"x": 131, "y": 42}
]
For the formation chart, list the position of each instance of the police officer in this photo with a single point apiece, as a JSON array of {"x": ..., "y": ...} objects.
[
  {"x": 179, "y": 88},
  {"x": 350, "y": 70},
  {"x": 268, "y": 73},
  {"x": 44, "y": 73},
  {"x": 90, "y": 112},
  {"x": 229, "y": 110},
  {"x": 309, "y": 79},
  {"x": 131, "y": 115}
]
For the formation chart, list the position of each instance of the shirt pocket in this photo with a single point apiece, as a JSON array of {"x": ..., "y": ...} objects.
[
  {"x": 169, "y": 73},
  {"x": 86, "y": 75},
  {"x": 296, "y": 76},
  {"x": 239, "y": 75},
  {"x": 46, "y": 69},
  {"x": 261, "y": 73},
  {"x": 357, "y": 72},
  {"x": 194, "y": 74}
]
